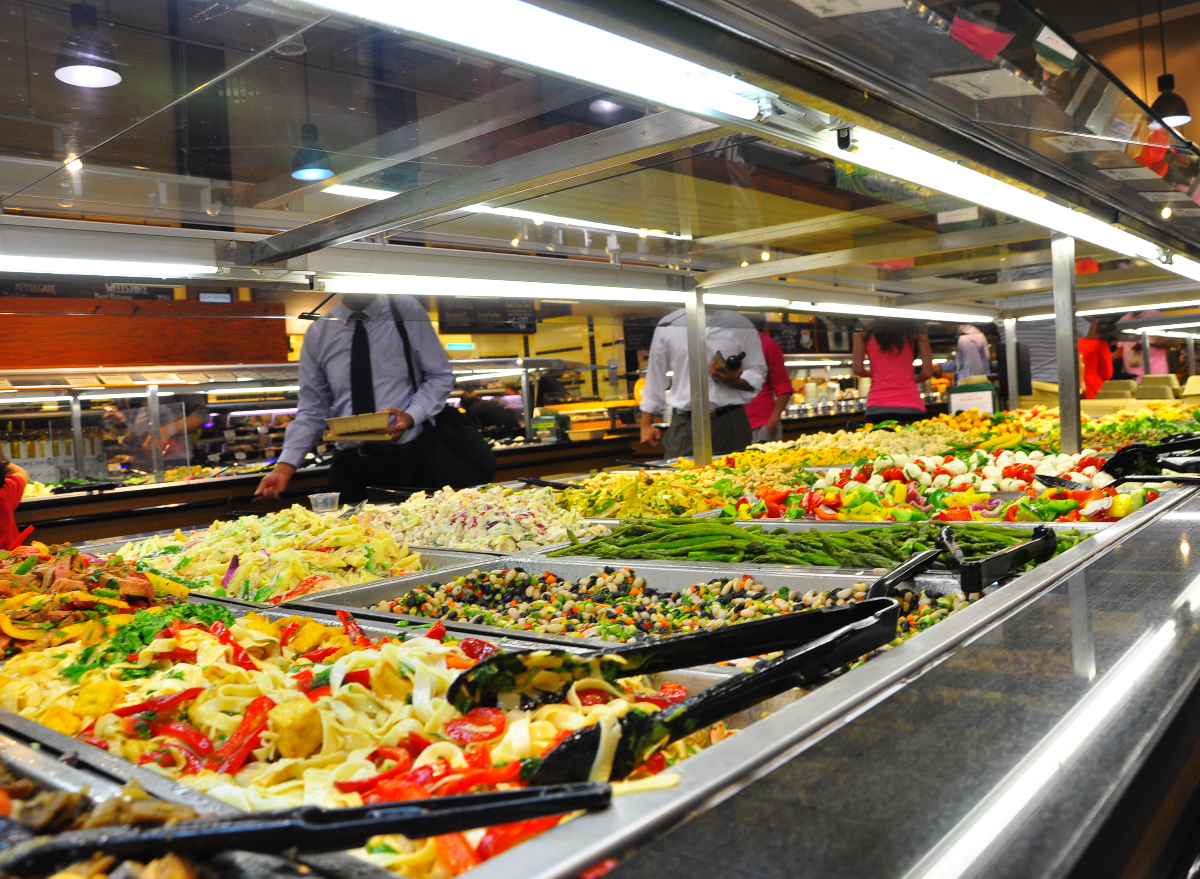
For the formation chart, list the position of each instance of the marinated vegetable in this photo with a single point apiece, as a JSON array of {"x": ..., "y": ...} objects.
[
  {"x": 58, "y": 595},
  {"x": 492, "y": 518},
  {"x": 273, "y": 558}
]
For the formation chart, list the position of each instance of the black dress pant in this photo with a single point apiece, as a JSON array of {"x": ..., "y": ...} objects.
[{"x": 385, "y": 466}]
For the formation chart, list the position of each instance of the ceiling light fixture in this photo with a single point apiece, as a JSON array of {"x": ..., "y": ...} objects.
[
  {"x": 884, "y": 311},
  {"x": 553, "y": 43},
  {"x": 801, "y": 364},
  {"x": 1168, "y": 106},
  {"x": 45, "y": 265},
  {"x": 483, "y": 288},
  {"x": 765, "y": 255},
  {"x": 311, "y": 163},
  {"x": 1113, "y": 309},
  {"x": 540, "y": 218},
  {"x": 359, "y": 192},
  {"x": 745, "y": 301},
  {"x": 85, "y": 59}
]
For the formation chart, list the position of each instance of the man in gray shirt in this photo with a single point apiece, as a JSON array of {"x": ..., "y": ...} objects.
[{"x": 971, "y": 354}]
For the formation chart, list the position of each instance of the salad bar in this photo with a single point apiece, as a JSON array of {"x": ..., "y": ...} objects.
[{"x": 543, "y": 678}]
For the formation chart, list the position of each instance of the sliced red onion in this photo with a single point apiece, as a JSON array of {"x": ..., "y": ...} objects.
[
  {"x": 229, "y": 572},
  {"x": 991, "y": 514}
]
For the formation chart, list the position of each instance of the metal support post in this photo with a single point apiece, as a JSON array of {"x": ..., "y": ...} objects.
[
  {"x": 156, "y": 449},
  {"x": 1146, "y": 370},
  {"x": 1010, "y": 362},
  {"x": 698, "y": 375},
  {"x": 527, "y": 399},
  {"x": 1062, "y": 257},
  {"x": 77, "y": 436},
  {"x": 1191, "y": 355}
]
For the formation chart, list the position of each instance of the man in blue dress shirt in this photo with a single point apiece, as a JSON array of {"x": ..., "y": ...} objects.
[{"x": 352, "y": 363}]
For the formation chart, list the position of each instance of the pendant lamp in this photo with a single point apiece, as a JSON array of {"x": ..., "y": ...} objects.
[
  {"x": 311, "y": 162},
  {"x": 1169, "y": 107},
  {"x": 85, "y": 59}
]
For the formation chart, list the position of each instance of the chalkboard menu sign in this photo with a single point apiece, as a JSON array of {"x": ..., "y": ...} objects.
[
  {"x": 795, "y": 338},
  {"x": 496, "y": 316},
  {"x": 85, "y": 290}
]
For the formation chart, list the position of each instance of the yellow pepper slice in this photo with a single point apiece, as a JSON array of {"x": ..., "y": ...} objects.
[{"x": 20, "y": 632}]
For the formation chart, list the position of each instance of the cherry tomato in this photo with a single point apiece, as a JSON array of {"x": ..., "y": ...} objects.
[
  {"x": 593, "y": 697},
  {"x": 477, "y": 725}
]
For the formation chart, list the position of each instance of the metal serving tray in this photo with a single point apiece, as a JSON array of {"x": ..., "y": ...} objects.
[
  {"x": 56, "y": 762},
  {"x": 660, "y": 577}
]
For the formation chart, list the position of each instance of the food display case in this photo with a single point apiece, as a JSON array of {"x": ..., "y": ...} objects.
[{"x": 1078, "y": 671}]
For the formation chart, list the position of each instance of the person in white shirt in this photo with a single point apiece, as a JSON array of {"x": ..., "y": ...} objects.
[{"x": 727, "y": 333}]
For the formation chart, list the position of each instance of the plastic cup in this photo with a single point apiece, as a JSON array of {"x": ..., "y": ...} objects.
[{"x": 326, "y": 502}]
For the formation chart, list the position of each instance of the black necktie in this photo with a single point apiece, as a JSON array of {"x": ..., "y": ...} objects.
[{"x": 362, "y": 384}]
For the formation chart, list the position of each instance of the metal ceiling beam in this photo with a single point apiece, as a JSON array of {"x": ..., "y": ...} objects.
[
  {"x": 993, "y": 262},
  {"x": 1167, "y": 291},
  {"x": 520, "y": 101},
  {"x": 838, "y": 221},
  {"x": 950, "y": 241},
  {"x": 1035, "y": 285},
  {"x": 575, "y": 158}
]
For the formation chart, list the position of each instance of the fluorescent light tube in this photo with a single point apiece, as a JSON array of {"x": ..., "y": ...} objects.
[
  {"x": 536, "y": 217},
  {"x": 484, "y": 288},
  {"x": 889, "y": 156},
  {"x": 46, "y": 265},
  {"x": 359, "y": 192},
  {"x": 9, "y": 401},
  {"x": 746, "y": 301},
  {"x": 801, "y": 364},
  {"x": 537, "y": 38},
  {"x": 884, "y": 311},
  {"x": 124, "y": 395},
  {"x": 238, "y": 391}
]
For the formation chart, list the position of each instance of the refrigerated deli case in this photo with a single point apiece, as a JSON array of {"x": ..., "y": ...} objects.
[{"x": 1048, "y": 729}]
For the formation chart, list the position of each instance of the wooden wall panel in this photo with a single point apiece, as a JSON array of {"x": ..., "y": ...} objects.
[{"x": 46, "y": 333}]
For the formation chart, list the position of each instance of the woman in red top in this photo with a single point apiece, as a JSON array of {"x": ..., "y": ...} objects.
[
  {"x": 11, "y": 492},
  {"x": 892, "y": 345},
  {"x": 1096, "y": 355}
]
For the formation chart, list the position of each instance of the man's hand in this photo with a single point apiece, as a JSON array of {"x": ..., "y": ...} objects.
[
  {"x": 729, "y": 379},
  {"x": 401, "y": 422},
  {"x": 651, "y": 435},
  {"x": 275, "y": 482},
  {"x": 772, "y": 424}
]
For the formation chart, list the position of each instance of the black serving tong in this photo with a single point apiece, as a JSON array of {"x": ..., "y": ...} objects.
[
  {"x": 514, "y": 671},
  {"x": 1072, "y": 485},
  {"x": 89, "y": 487},
  {"x": 1138, "y": 458},
  {"x": 645, "y": 465},
  {"x": 307, "y": 829},
  {"x": 546, "y": 483},
  {"x": 641, "y": 735},
  {"x": 977, "y": 574},
  {"x": 974, "y": 575}
]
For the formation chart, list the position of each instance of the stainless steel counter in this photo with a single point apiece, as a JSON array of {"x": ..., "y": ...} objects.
[
  {"x": 1002, "y": 758},
  {"x": 993, "y": 739}
]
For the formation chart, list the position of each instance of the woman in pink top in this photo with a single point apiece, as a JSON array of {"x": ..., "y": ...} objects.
[{"x": 892, "y": 345}]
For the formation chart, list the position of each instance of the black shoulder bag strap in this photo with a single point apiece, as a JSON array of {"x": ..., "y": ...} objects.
[{"x": 400, "y": 328}]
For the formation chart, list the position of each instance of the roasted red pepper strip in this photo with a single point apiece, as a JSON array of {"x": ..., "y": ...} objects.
[
  {"x": 362, "y": 785},
  {"x": 350, "y": 625},
  {"x": 189, "y": 735},
  {"x": 232, "y": 755},
  {"x": 654, "y": 765},
  {"x": 94, "y": 742},
  {"x": 593, "y": 697},
  {"x": 437, "y": 631},
  {"x": 160, "y": 705},
  {"x": 191, "y": 761},
  {"x": 319, "y": 692},
  {"x": 162, "y": 757},
  {"x": 502, "y": 837},
  {"x": 454, "y": 849},
  {"x": 477, "y": 648},
  {"x": 319, "y": 655},
  {"x": 362, "y": 676},
  {"x": 306, "y": 586},
  {"x": 240, "y": 657},
  {"x": 288, "y": 631}
]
